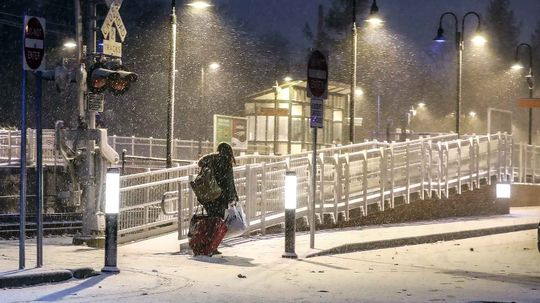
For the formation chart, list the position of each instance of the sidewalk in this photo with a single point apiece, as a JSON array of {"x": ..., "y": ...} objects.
[{"x": 64, "y": 261}]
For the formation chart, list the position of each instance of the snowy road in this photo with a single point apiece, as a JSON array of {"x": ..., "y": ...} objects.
[{"x": 502, "y": 268}]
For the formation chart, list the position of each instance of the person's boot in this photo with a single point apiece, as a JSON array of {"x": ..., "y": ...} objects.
[{"x": 216, "y": 252}]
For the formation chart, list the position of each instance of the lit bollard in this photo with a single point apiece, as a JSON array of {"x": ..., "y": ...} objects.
[
  {"x": 503, "y": 191},
  {"x": 290, "y": 214},
  {"x": 112, "y": 207}
]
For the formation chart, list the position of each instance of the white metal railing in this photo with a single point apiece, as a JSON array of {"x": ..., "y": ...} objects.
[{"x": 371, "y": 173}]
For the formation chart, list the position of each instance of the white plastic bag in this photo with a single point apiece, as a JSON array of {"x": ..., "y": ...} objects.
[{"x": 235, "y": 220}]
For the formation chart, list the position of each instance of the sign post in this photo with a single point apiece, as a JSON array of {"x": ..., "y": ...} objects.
[
  {"x": 33, "y": 55},
  {"x": 317, "y": 90}
]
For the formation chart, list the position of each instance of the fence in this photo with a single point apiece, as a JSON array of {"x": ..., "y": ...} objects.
[{"x": 356, "y": 176}]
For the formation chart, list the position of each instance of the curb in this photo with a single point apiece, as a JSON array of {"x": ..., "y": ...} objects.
[
  {"x": 22, "y": 279},
  {"x": 373, "y": 245}
]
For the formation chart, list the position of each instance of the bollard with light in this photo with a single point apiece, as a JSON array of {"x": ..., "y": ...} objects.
[
  {"x": 112, "y": 207},
  {"x": 290, "y": 214}
]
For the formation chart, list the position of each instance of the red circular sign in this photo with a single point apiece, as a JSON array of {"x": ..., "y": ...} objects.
[
  {"x": 34, "y": 43},
  {"x": 317, "y": 74}
]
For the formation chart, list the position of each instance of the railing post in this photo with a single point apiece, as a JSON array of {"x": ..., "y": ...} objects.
[
  {"x": 249, "y": 196},
  {"x": 114, "y": 142},
  {"x": 471, "y": 163},
  {"x": 321, "y": 187},
  {"x": 337, "y": 184},
  {"x": 446, "y": 156},
  {"x": 392, "y": 180},
  {"x": 429, "y": 170},
  {"x": 489, "y": 159},
  {"x": 439, "y": 170},
  {"x": 459, "y": 166},
  {"x": 9, "y": 146},
  {"x": 477, "y": 158},
  {"x": 499, "y": 152},
  {"x": 408, "y": 174},
  {"x": 423, "y": 168},
  {"x": 151, "y": 145},
  {"x": 347, "y": 185},
  {"x": 364, "y": 182},
  {"x": 382, "y": 178},
  {"x": 263, "y": 199}
]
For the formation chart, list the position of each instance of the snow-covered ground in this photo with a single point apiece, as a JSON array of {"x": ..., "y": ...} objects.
[{"x": 504, "y": 267}]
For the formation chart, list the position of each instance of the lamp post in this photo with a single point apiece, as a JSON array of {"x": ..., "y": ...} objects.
[
  {"x": 477, "y": 39},
  {"x": 112, "y": 207},
  {"x": 290, "y": 214},
  {"x": 172, "y": 75},
  {"x": 530, "y": 79}
]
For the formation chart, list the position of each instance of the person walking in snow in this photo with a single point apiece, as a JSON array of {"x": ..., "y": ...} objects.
[{"x": 221, "y": 163}]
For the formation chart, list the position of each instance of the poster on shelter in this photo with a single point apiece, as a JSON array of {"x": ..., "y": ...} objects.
[{"x": 232, "y": 130}]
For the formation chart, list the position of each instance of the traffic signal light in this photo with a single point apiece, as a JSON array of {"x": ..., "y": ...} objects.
[{"x": 111, "y": 76}]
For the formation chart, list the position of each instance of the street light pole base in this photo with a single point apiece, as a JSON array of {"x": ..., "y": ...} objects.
[
  {"x": 110, "y": 269},
  {"x": 289, "y": 255}
]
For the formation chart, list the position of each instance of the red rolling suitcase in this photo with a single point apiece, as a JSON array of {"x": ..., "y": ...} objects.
[{"x": 206, "y": 233}]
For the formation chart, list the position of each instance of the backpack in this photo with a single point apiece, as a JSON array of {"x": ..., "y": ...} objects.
[{"x": 205, "y": 185}]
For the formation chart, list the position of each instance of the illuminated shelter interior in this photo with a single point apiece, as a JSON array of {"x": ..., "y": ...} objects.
[{"x": 285, "y": 110}]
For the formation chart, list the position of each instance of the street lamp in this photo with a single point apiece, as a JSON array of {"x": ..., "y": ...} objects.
[
  {"x": 172, "y": 75},
  {"x": 530, "y": 79},
  {"x": 478, "y": 39},
  {"x": 374, "y": 19},
  {"x": 70, "y": 44}
]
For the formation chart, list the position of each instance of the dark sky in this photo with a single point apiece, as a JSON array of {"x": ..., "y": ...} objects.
[{"x": 414, "y": 19}]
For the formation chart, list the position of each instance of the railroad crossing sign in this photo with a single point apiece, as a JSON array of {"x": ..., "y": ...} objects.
[
  {"x": 110, "y": 46},
  {"x": 34, "y": 43}
]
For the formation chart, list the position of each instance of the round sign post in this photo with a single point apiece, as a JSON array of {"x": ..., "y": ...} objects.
[
  {"x": 317, "y": 90},
  {"x": 34, "y": 43}
]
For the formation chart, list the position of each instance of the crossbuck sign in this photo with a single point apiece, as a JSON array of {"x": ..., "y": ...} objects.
[{"x": 110, "y": 46}]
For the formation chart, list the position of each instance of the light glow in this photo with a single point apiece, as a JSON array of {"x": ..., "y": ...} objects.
[
  {"x": 503, "y": 191},
  {"x": 375, "y": 21},
  {"x": 517, "y": 66},
  {"x": 112, "y": 191},
  {"x": 358, "y": 92},
  {"x": 421, "y": 105},
  {"x": 290, "y": 190},
  {"x": 214, "y": 65},
  {"x": 479, "y": 40},
  {"x": 472, "y": 114},
  {"x": 70, "y": 44},
  {"x": 200, "y": 4},
  {"x": 287, "y": 79}
]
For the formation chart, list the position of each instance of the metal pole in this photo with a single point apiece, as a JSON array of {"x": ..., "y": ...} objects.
[
  {"x": 378, "y": 116},
  {"x": 172, "y": 75},
  {"x": 111, "y": 243},
  {"x": 22, "y": 177},
  {"x": 276, "y": 120},
  {"x": 353, "y": 74},
  {"x": 290, "y": 214},
  {"x": 531, "y": 93},
  {"x": 313, "y": 191},
  {"x": 39, "y": 172},
  {"x": 459, "y": 39},
  {"x": 80, "y": 83}
]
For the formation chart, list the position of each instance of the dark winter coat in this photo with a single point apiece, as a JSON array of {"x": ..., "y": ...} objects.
[{"x": 223, "y": 172}]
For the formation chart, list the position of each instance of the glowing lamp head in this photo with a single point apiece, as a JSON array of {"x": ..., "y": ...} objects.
[
  {"x": 374, "y": 17},
  {"x": 358, "y": 92},
  {"x": 290, "y": 190},
  {"x": 472, "y": 114},
  {"x": 287, "y": 79},
  {"x": 479, "y": 40},
  {"x": 200, "y": 4},
  {"x": 421, "y": 105},
  {"x": 70, "y": 44},
  {"x": 440, "y": 36},
  {"x": 517, "y": 65},
  {"x": 214, "y": 65}
]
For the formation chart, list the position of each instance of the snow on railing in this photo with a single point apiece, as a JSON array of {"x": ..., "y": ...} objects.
[{"x": 371, "y": 173}]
